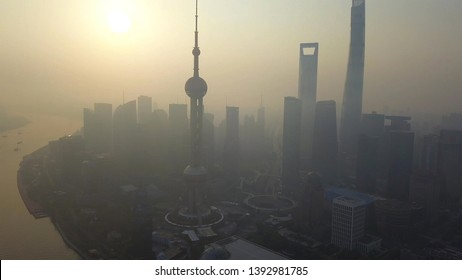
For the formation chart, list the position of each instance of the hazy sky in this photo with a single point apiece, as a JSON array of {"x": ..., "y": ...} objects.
[{"x": 56, "y": 53}]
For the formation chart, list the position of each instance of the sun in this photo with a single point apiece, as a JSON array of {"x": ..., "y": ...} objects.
[{"x": 118, "y": 21}]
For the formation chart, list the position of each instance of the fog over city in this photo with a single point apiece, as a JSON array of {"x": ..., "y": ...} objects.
[
  {"x": 60, "y": 56},
  {"x": 240, "y": 130}
]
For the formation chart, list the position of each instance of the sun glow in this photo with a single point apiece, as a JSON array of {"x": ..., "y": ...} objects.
[{"x": 118, "y": 21}]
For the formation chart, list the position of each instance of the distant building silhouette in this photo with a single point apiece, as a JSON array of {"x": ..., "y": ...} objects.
[
  {"x": 373, "y": 124},
  {"x": 429, "y": 154},
  {"x": 348, "y": 220},
  {"x": 125, "y": 129},
  {"x": 178, "y": 136},
  {"x": 307, "y": 87},
  {"x": 449, "y": 170},
  {"x": 325, "y": 147},
  {"x": 367, "y": 164},
  {"x": 144, "y": 108},
  {"x": 97, "y": 128},
  {"x": 232, "y": 146},
  {"x": 311, "y": 206},
  {"x": 396, "y": 219},
  {"x": 401, "y": 151},
  {"x": 425, "y": 190},
  {"x": 353, "y": 94},
  {"x": 208, "y": 136},
  {"x": 452, "y": 121},
  {"x": 291, "y": 142}
]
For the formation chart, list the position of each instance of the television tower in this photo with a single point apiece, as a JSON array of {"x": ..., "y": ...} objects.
[{"x": 195, "y": 213}]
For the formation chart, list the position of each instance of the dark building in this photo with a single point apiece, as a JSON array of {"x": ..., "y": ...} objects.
[
  {"x": 353, "y": 95},
  {"x": 367, "y": 164},
  {"x": 401, "y": 151},
  {"x": 231, "y": 148},
  {"x": 208, "y": 137},
  {"x": 307, "y": 87},
  {"x": 373, "y": 124},
  {"x": 97, "y": 128},
  {"x": 452, "y": 121},
  {"x": 450, "y": 166},
  {"x": 291, "y": 142},
  {"x": 178, "y": 137},
  {"x": 397, "y": 219},
  {"x": 425, "y": 191},
  {"x": 311, "y": 216},
  {"x": 325, "y": 147},
  {"x": 125, "y": 129},
  {"x": 429, "y": 154}
]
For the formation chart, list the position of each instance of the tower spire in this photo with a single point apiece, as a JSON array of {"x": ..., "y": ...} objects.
[{"x": 196, "y": 51}]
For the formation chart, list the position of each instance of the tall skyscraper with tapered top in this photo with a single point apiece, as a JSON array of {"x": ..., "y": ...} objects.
[
  {"x": 353, "y": 95},
  {"x": 195, "y": 212},
  {"x": 307, "y": 87}
]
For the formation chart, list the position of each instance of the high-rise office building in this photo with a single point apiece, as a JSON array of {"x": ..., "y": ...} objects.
[
  {"x": 291, "y": 142},
  {"x": 196, "y": 213},
  {"x": 429, "y": 154},
  {"x": 144, "y": 108},
  {"x": 367, "y": 164},
  {"x": 231, "y": 148},
  {"x": 178, "y": 137},
  {"x": 353, "y": 94},
  {"x": 400, "y": 161},
  {"x": 449, "y": 169},
  {"x": 307, "y": 87},
  {"x": 124, "y": 129},
  {"x": 348, "y": 220},
  {"x": 97, "y": 128},
  {"x": 325, "y": 147},
  {"x": 373, "y": 124}
]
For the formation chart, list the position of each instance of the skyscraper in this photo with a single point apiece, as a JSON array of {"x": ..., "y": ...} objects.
[
  {"x": 401, "y": 151},
  {"x": 231, "y": 149},
  {"x": 97, "y": 128},
  {"x": 291, "y": 142},
  {"x": 307, "y": 86},
  {"x": 325, "y": 147},
  {"x": 178, "y": 136},
  {"x": 125, "y": 129},
  {"x": 353, "y": 94},
  {"x": 367, "y": 165},
  {"x": 449, "y": 169},
  {"x": 195, "y": 213}
]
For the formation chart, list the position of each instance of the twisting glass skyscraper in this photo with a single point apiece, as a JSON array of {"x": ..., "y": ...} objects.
[{"x": 353, "y": 94}]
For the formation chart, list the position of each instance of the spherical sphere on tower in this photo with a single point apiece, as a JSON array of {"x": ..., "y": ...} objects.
[{"x": 196, "y": 87}]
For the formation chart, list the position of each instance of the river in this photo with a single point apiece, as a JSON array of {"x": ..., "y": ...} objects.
[{"x": 21, "y": 235}]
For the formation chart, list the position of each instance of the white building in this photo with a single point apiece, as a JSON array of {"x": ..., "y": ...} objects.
[{"x": 348, "y": 218}]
